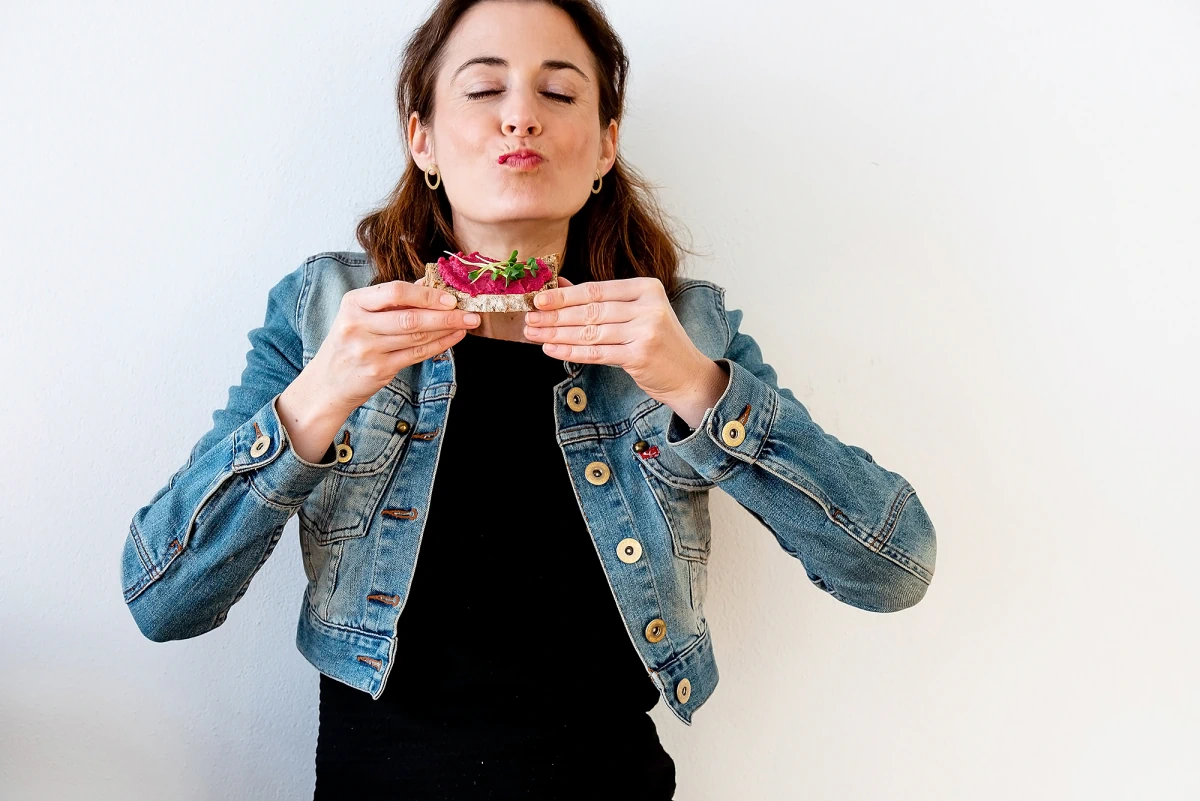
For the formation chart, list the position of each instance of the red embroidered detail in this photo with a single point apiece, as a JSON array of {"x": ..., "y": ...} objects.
[{"x": 650, "y": 452}]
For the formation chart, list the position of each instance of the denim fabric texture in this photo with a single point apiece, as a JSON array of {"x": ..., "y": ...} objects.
[{"x": 859, "y": 529}]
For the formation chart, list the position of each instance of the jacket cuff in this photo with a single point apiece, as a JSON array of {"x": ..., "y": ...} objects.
[
  {"x": 730, "y": 433},
  {"x": 262, "y": 449}
]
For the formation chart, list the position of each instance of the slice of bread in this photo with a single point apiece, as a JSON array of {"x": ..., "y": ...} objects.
[{"x": 492, "y": 303}]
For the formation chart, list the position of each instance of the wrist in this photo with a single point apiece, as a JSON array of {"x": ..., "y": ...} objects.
[
  {"x": 709, "y": 380},
  {"x": 311, "y": 417}
]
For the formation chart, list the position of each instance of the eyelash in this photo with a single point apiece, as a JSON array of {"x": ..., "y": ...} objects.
[{"x": 565, "y": 99}]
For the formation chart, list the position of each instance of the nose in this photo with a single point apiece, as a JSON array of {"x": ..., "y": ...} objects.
[{"x": 520, "y": 115}]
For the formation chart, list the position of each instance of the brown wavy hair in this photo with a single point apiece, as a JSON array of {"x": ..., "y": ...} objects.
[{"x": 622, "y": 232}]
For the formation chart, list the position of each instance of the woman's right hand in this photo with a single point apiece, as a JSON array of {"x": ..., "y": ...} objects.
[{"x": 378, "y": 331}]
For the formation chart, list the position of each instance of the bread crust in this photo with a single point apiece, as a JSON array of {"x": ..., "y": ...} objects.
[{"x": 492, "y": 303}]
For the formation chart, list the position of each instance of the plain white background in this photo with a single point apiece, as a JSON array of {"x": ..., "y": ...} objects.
[{"x": 965, "y": 234}]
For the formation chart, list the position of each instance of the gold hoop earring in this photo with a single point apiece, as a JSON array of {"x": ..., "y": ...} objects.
[
  {"x": 432, "y": 170},
  {"x": 596, "y": 189}
]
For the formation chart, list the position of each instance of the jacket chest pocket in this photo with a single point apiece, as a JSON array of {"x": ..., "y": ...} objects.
[
  {"x": 368, "y": 447},
  {"x": 681, "y": 492}
]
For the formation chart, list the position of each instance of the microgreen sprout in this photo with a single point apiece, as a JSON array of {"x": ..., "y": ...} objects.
[{"x": 509, "y": 269}]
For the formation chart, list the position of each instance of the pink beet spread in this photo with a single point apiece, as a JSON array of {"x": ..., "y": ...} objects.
[{"x": 455, "y": 273}]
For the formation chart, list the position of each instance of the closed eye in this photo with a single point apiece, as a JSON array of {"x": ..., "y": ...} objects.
[{"x": 489, "y": 92}]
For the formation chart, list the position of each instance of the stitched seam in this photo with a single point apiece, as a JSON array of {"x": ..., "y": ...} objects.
[
  {"x": 143, "y": 554},
  {"x": 725, "y": 319},
  {"x": 893, "y": 516},
  {"x": 336, "y": 256},
  {"x": 906, "y": 557},
  {"x": 359, "y": 632}
]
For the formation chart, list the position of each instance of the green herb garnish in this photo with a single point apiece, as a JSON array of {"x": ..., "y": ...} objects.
[{"x": 510, "y": 269}]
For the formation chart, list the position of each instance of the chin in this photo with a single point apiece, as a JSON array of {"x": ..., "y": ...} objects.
[{"x": 523, "y": 210}]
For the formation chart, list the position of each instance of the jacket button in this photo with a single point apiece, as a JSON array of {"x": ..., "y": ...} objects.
[
  {"x": 344, "y": 453},
  {"x": 577, "y": 399},
  {"x": 260, "y": 446},
  {"x": 733, "y": 433},
  {"x": 402, "y": 426},
  {"x": 640, "y": 446},
  {"x": 683, "y": 690},
  {"x": 656, "y": 629},
  {"x": 629, "y": 550},
  {"x": 597, "y": 473}
]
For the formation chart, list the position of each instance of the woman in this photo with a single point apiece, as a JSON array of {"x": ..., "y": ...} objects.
[{"x": 507, "y": 670}]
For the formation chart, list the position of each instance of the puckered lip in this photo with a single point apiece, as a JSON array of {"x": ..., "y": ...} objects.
[{"x": 524, "y": 152}]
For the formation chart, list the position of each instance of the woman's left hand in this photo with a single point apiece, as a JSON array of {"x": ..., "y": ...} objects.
[{"x": 628, "y": 323}]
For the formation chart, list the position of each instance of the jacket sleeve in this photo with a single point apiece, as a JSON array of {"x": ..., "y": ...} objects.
[
  {"x": 192, "y": 550},
  {"x": 859, "y": 529}
]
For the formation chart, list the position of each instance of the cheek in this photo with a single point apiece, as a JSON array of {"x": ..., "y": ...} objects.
[
  {"x": 580, "y": 152},
  {"x": 463, "y": 138}
]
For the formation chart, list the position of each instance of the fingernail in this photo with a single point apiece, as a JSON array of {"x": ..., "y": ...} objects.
[
  {"x": 471, "y": 319},
  {"x": 539, "y": 300},
  {"x": 534, "y": 317},
  {"x": 448, "y": 300}
]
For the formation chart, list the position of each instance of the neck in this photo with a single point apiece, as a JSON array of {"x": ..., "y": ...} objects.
[{"x": 534, "y": 238}]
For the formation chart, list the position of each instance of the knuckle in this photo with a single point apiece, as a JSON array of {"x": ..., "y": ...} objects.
[
  {"x": 590, "y": 333},
  {"x": 408, "y": 320},
  {"x": 592, "y": 311},
  {"x": 594, "y": 290}
]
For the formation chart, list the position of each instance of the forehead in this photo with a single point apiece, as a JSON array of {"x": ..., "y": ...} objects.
[{"x": 523, "y": 32}]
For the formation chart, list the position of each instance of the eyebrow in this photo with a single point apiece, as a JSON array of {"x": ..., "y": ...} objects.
[{"x": 496, "y": 61}]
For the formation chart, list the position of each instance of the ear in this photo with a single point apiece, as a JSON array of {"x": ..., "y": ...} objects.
[
  {"x": 608, "y": 148},
  {"x": 420, "y": 142}
]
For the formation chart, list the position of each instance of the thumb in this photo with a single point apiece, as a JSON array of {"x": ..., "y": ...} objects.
[{"x": 564, "y": 281}]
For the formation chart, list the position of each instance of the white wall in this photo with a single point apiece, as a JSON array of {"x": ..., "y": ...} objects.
[{"x": 964, "y": 233}]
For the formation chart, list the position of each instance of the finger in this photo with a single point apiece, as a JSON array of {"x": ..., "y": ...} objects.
[
  {"x": 592, "y": 313},
  {"x": 564, "y": 282},
  {"x": 430, "y": 348},
  {"x": 401, "y": 322},
  {"x": 607, "y": 334},
  {"x": 588, "y": 291},
  {"x": 588, "y": 354},
  {"x": 399, "y": 294},
  {"x": 405, "y": 343}
]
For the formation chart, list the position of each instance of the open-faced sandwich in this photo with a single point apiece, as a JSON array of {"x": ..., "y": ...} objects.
[{"x": 487, "y": 285}]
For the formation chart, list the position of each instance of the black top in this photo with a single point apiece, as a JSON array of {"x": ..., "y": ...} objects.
[{"x": 483, "y": 700}]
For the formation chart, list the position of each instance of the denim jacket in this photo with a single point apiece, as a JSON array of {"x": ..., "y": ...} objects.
[{"x": 641, "y": 478}]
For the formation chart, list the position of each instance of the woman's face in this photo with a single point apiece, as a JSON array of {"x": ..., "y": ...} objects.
[{"x": 515, "y": 75}]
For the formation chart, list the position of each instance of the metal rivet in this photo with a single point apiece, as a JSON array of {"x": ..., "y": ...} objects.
[
  {"x": 683, "y": 690},
  {"x": 629, "y": 550},
  {"x": 656, "y": 629},
  {"x": 640, "y": 446},
  {"x": 402, "y": 426},
  {"x": 260, "y": 446},
  {"x": 344, "y": 453},
  {"x": 597, "y": 473},
  {"x": 577, "y": 399},
  {"x": 733, "y": 433}
]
